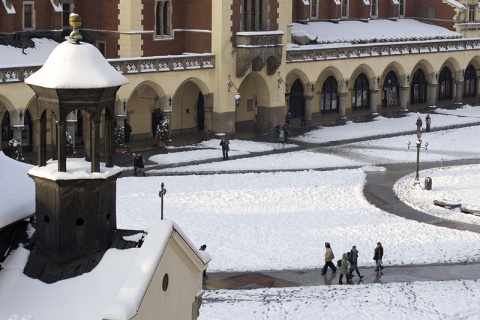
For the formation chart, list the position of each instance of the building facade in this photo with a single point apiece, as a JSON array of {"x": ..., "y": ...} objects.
[{"x": 224, "y": 66}]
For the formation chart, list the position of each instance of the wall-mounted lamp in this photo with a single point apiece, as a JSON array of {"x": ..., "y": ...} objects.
[
  {"x": 463, "y": 72},
  {"x": 124, "y": 104},
  {"x": 408, "y": 78},
  {"x": 237, "y": 99},
  {"x": 436, "y": 75},
  {"x": 170, "y": 101},
  {"x": 378, "y": 80},
  {"x": 346, "y": 83},
  {"x": 237, "y": 95},
  {"x": 20, "y": 114}
]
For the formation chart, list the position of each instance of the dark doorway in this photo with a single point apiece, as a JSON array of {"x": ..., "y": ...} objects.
[
  {"x": 27, "y": 132},
  {"x": 361, "y": 93},
  {"x": 296, "y": 103},
  {"x": 445, "y": 83},
  {"x": 157, "y": 117},
  {"x": 7, "y": 133},
  {"x": 418, "y": 88},
  {"x": 470, "y": 78},
  {"x": 390, "y": 90},
  {"x": 200, "y": 112}
]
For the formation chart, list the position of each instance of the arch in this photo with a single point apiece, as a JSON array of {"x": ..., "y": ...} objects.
[
  {"x": 454, "y": 67},
  {"x": 7, "y": 103},
  {"x": 399, "y": 71},
  {"x": 427, "y": 68},
  {"x": 366, "y": 70},
  {"x": 331, "y": 71},
  {"x": 149, "y": 83},
  {"x": 200, "y": 84},
  {"x": 295, "y": 74},
  {"x": 255, "y": 96}
]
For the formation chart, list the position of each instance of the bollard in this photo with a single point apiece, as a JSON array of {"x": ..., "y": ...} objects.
[{"x": 428, "y": 183}]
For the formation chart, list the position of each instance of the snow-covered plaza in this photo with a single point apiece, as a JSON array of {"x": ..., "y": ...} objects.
[{"x": 280, "y": 220}]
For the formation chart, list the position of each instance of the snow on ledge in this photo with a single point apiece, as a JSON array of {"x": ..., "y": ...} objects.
[
  {"x": 56, "y": 6},
  {"x": 76, "y": 169},
  {"x": 456, "y": 4},
  {"x": 10, "y": 9}
]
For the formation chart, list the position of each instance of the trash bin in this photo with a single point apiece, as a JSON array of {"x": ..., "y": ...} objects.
[{"x": 428, "y": 183}]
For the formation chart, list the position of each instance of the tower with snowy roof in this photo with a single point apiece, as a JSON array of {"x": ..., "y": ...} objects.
[{"x": 75, "y": 199}]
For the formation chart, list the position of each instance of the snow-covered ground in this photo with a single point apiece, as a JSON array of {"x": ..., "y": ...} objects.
[{"x": 280, "y": 220}]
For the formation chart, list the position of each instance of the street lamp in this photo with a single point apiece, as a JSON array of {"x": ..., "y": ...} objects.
[
  {"x": 161, "y": 194},
  {"x": 419, "y": 145}
]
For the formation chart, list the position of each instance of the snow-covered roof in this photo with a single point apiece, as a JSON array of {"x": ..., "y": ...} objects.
[
  {"x": 113, "y": 290},
  {"x": 15, "y": 184},
  {"x": 79, "y": 66},
  {"x": 456, "y": 4},
  {"x": 372, "y": 31},
  {"x": 17, "y": 57},
  {"x": 76, "y": 169}
]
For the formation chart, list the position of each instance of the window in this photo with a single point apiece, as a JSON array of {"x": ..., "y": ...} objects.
[
  {"x": 163, "y": 23},
  {"x": 418, "y": 88},
  {"x": 401, "y": 8},
  {"x": 313, "y": 9},
  {"x": 471, "y": 12},
  {"x": 445, "y": 85},
  {"x": 67, "y": 9},
  {"x": 101, "y": 46},
  {"x": 361, "y": 93},
  {"x": 470, "y": 79},
  {"x": 255, "y": 15},
  {"x": 329, "y": 96},
  {"x": 344, "y": 8},
  {"x": 431, "y": 12},
  {"x": 28, "y": 15},
  {"x": 373, "y": 7},
  {"x": 390, "y": 90}
]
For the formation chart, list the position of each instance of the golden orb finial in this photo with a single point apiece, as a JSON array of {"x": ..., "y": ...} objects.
[{"x": 75, "y": 22}]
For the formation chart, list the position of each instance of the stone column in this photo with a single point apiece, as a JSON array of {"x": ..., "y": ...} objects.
[
  {"x": 342, "y": 99},
  {"x": 458, "y": 91},
  {"x": 87, "y": 143},
  {"x": 95, "y": 144},
  {"x": 308, "y": 109},
  {"x": 42, "y": 143},
  {"x": 432, "y": 94},
  {"x": 373, "y": 101},
  {"x": 403, "y": 98},
  {"x": 61, "y": 143}
]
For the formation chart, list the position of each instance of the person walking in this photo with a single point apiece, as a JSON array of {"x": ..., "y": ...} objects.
[
  {"x": 344, "y": 269},
  {"x": 138, "y": 167},
  {"x": 353, "y": 260},
  {"x": 281, "y": 136},
  {"x": 428, "y": 121},
  {"x": 378, "y": 255},
  {"x": 288, "y": 117},
  {"x": 276, "y": 133},
  {"x": 225, "y": 148},
  {"x": 419, "y": 124},
  {"x": 329, "y": 256}
]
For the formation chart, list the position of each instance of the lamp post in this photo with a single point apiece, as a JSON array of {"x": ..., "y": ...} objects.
[
  {"x": 161, "y": 194},
  {"x": 419, "y": 145}
]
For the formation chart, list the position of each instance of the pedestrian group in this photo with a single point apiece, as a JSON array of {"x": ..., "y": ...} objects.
[
  {"x": 428, "y": 122},
  {"x": 349, "y": 262}
]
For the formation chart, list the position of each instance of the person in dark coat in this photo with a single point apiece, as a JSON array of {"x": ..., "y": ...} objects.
[
  {"x": 329, "y": 256},
  {"x": 286, "y": 129},
  {"x": 225, "y": 148},
  {"x": 378, "y": 255},
  {"x": 354, "y": 262},
  {"x": 428, "y": 121},
  {"x": 138, "y": 164},
  {"x": 288, "y": 117},
  {"x": 419, "y": 124}
]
